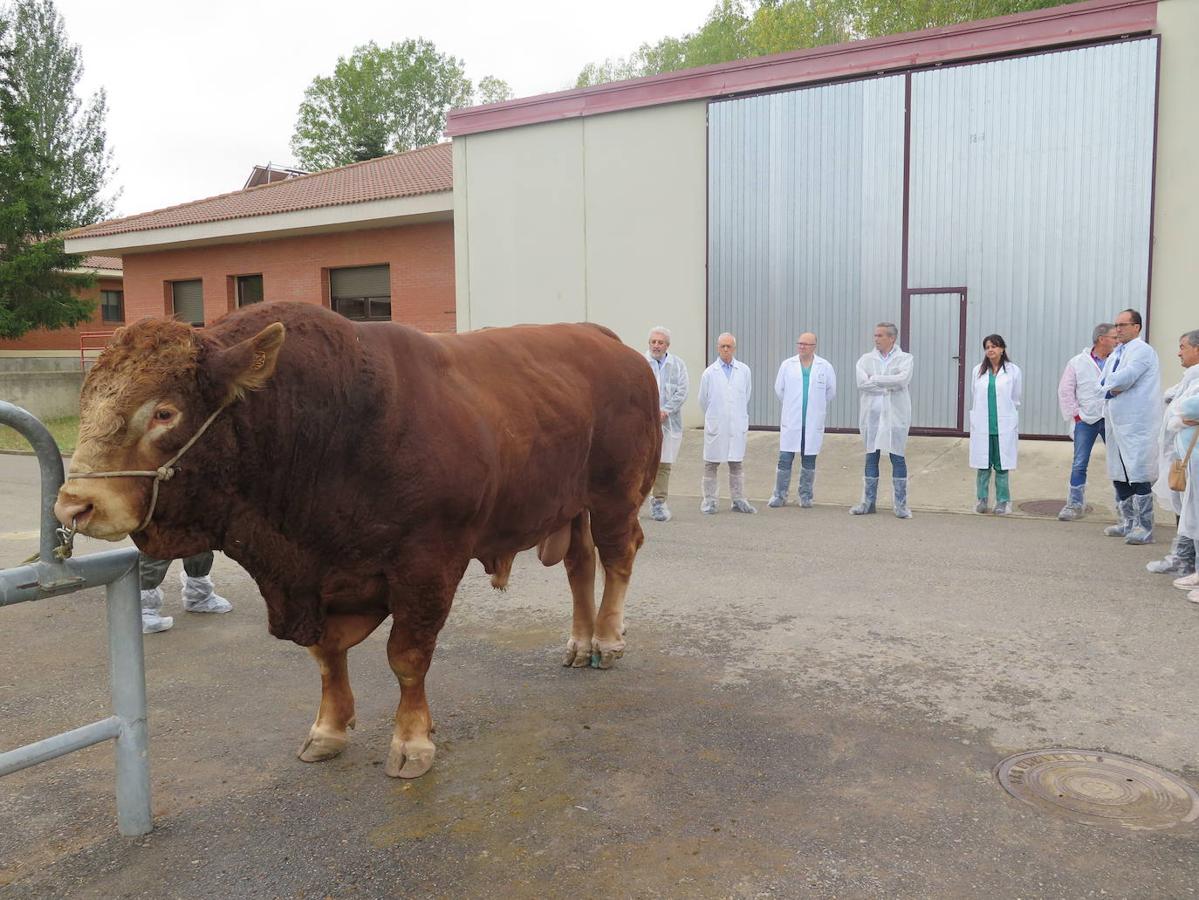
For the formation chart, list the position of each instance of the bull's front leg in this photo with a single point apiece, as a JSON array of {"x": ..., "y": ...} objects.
[
  {"x": 328, "y": 737},
  {"x": 580, "y": 572},
  {"x": 418, "y": 609}
]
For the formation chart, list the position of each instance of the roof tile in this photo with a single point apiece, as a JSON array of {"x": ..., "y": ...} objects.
[{"x": 425, "y": 170}]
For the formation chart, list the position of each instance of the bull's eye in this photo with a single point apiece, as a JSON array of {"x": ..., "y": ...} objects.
[{"x": 163, "y": 415}]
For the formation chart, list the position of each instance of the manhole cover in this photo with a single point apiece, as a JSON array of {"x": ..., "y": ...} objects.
[
  {"x": 1099, "y": 789},
  {"x": 1048, "y": 507}
]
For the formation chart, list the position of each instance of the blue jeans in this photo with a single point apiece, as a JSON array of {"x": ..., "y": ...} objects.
[
  {"x": 787, "y": 460},
  {"x": 899, "y": 465},
  {"x": 1084, "y": 441}
]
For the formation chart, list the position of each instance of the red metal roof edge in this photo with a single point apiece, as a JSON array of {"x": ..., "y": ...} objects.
[
  {"x": 1056, "y": 25},
  {"x": 103, "y": 229}
]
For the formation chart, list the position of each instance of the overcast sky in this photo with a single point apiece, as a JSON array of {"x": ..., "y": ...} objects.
[{"x": 198, "y": 92}]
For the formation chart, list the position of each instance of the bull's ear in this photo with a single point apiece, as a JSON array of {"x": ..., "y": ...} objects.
[{"x": 248, "y": 366}]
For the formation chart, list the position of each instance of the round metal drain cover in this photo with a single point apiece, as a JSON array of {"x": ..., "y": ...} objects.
[
  {"x": 1048, "y": 508},
  {"x": 1099, "y": 789}
]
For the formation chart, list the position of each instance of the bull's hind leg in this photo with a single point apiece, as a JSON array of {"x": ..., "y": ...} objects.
[
  {"x": 327, "y": 737},
  {"x": 618, "y": 538},
  {"x": 580, "y": 572},
  {"x": 418, "y": 612}
]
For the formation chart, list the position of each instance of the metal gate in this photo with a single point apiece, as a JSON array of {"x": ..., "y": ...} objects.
[{"x": 55, "y": 573}]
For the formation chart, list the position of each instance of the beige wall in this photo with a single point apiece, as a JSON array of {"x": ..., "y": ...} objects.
[
  {"x": 601, "y": 219},
  {"x": 1175, "y": 296}
]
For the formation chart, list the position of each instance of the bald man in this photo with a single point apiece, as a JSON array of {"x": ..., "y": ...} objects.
[
  {"x": 724, "y": 391},
  {"x": 806, "y": 385}
]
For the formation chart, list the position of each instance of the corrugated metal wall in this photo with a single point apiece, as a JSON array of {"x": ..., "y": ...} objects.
[
  {"x": 1031, "y": 184},
  {"x": 805, "y": 198}
]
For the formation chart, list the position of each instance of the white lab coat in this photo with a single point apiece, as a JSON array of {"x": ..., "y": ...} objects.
[
  {"x": 1171, "y": 425},
  {"x": 1009, "y": 388},
  {"x": 673, "y": 386},
  {"x": 1132, "y": 418},
  {"x": 1078, "y": 390},
  {"x": 1188, "y": 519},
  {"x": 795, "y": 433},
  {"x": 885, "y": 409},
  {"x": 725, "y": 402}
]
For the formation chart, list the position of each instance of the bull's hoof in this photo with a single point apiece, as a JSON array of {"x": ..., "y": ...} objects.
[
  {"x": 578, "y": 654},
  {"x": 604, "y": 653},
  {"x": 321, "y": 744},
  {"x": 411, "y": 758}
]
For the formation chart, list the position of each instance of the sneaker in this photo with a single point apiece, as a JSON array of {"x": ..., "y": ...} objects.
[
  {"x": 1193, "y": 596},
  {"x": 660, "y": 513},
  {"x": 1187, "y": 582},
  {"x": 776, "y": 501},
  {"x": 708, "y": 507},
  {"x": 152, "y": 622},
  {"x": 742, "y": 506},
  {"x": 981, "y": 506},
  {"x": 1004, "y": 508}
]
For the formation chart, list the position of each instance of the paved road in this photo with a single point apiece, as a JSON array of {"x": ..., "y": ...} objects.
[{"x": 811, "y": 705}]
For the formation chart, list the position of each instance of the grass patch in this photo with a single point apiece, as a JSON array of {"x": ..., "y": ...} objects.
[{"x": 65, "y": 432}]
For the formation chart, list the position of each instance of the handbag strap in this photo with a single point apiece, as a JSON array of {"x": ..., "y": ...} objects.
[{"x": 1186, "y": 460}]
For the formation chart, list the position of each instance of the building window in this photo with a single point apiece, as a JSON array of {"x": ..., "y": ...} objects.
[
  {"x": 112, "y": 306},
  {"x": 249, "y": 289},
  {"x": 362, "y": 293},
  {"x": 187, "y": 301}
]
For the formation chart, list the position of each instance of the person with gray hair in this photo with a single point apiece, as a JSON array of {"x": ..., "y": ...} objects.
[
  {"x": 885, "y": 417},
  {"x": 724, "y": 392},
  {"x": 1180, "y": 560},
  {"x": 671, "y": 374},
  {"x": 1081, "y": 403}
]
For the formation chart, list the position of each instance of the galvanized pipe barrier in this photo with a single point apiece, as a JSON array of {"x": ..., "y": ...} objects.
[{"x": 54, "y": 573}]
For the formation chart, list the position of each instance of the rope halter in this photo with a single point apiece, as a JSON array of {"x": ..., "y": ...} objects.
[{"x": 165, "y": 472}]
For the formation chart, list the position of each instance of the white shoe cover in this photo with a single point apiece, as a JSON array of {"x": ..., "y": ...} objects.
[
  {"x": 152, "y": 622},
  {"x": 199, "y": 596}
]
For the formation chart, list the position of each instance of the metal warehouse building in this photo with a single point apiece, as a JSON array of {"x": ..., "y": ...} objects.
[{"x": 1029, "y": 175}]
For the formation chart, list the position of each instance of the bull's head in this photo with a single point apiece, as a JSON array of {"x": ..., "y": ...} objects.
[{"x": 147, "y": 395}]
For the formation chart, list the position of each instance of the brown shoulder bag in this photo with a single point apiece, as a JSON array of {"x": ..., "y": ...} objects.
[{"x": 1178, "y": 468}]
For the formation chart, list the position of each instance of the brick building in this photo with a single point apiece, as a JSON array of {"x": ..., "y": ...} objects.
[{"x": 373, "y": 240}]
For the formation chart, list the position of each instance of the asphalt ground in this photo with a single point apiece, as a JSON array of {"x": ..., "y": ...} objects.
[{"x": 811, "y": 705}]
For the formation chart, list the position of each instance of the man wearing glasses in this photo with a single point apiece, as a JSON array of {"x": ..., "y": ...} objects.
[
  {"x": 1132, "y": 412},
  {"x": 806, "y": 385}
]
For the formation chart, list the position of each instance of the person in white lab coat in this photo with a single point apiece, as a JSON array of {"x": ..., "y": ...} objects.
[
  {"x": 671, "y": 374},
  {"x": 724, "y": 392},
  {"x": 1132, "y": 411},
  {"x": 1081, "y": 403},
  {"x": 885, "y": 416},
  {"x": 806, "y": 386},
  {"x": 1187, "y": 413},
  {"x": 1180, "y": 560},
  {"x": 995, "y": 423}
]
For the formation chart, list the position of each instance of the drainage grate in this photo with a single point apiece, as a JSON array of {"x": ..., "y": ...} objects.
[
  {"x": 1049, "y": 508},
  {"x": 1099, "y": 789}
]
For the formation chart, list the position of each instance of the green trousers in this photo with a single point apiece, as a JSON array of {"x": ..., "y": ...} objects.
[{"x": 1002, "y": 494}]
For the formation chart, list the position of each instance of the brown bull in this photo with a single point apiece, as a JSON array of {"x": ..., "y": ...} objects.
[{"x": 355, "y": 470}]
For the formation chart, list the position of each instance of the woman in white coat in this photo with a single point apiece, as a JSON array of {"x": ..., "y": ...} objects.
[{"x": 995, "y": 423}]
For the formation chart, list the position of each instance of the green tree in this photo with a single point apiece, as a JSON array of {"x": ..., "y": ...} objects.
[
  {"x": 380, "y": 100},
  {"x": 37, "y": 287},
  {"x": 492, "y": 90},
  {"x": 67, "y": 130},
  {"x": 740, "y": 29}
]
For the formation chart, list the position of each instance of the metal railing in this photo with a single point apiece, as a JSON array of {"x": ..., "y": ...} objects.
[{"x": 54, "y": 572}]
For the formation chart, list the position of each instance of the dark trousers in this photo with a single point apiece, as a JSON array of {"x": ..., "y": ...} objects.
[{"x": 152, "y": 571}]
